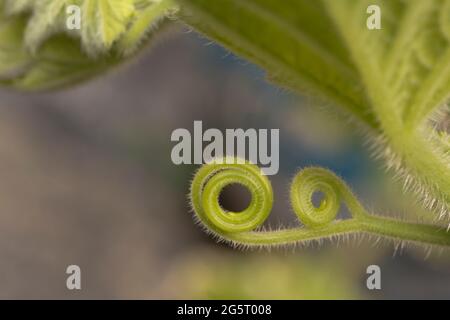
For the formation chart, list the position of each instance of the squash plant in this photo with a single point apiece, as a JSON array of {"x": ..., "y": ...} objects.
[{"x": 393, "y": 83}]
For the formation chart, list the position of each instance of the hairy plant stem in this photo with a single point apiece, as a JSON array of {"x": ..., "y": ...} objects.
[
  {"x": 319, "y": 220},
  {"x": 397, "y": 230}
]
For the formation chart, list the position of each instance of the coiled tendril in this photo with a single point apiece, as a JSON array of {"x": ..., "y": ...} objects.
[{"x": 319, "y": 220}]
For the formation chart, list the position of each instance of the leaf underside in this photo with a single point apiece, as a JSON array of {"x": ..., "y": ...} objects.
[
  {"x": 390, "y": 80},
  {"x": 38, "y": 51}
]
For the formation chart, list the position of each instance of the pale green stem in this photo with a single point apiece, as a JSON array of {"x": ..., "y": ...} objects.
[{"x": 319, "y": 221}]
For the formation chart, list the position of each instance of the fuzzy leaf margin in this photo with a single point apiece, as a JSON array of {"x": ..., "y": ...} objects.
[
  {"x": 390, "y": 80},
  {"x": 38, "y": 52}
]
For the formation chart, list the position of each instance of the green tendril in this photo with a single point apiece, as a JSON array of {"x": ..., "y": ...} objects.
[{"x": 319, "y": 220}]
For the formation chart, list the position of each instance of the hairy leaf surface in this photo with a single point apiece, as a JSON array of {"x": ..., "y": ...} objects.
[
  {"x": 37, "y": 51},
  {"x": 391, "y": 79}
]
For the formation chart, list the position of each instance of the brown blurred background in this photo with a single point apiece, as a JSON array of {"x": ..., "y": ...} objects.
[{"x": 86, "y": 178}]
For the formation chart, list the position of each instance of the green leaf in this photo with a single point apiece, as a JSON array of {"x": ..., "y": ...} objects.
[
  {"x": 296, "y": 42},
  {"x": 48, "y": 17},
  {"x": 37, "y": 52},
  {"x": 103, "y": 22},
  {"x": 18, "y": 6},
  {"x": 14, "y": 60},
  {"x": 390, "y": 80},
  {"x": 61, "y": 62},
  {"x": 150, "y": 16}
]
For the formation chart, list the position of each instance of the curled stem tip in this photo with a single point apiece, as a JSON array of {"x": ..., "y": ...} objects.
[{"x": 319, "y": 220}]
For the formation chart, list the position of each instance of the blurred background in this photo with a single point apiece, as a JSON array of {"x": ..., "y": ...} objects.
[{"x": 86, "y": 178}]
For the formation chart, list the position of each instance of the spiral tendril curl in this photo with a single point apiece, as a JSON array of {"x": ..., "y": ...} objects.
[{"x": 319, "y": 220}]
